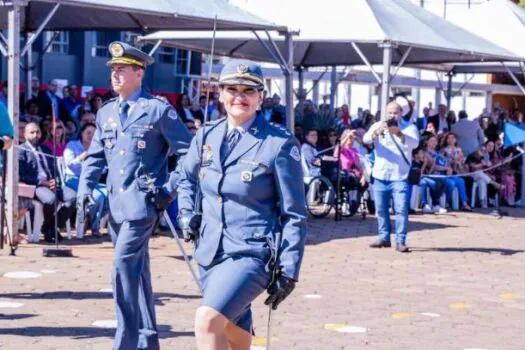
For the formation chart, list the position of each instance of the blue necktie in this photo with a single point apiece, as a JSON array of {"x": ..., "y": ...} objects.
[
  {"x": 123, "y": 111},
  {"x": 231, "y": 141}
]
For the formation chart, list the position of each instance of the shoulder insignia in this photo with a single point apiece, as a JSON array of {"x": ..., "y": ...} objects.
[
  {"x": 172, "y": 114},
  {"x": 280, "y": 128},
  {"x": 295, "y": 154}
]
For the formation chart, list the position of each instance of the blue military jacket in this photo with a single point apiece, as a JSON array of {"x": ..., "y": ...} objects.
[
  {"x": 135, "y": 154},
  {"x": 255, "y": 193}
]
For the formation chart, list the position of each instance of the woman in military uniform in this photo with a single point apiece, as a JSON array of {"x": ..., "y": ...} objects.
[{"x": 245, "y": 174}]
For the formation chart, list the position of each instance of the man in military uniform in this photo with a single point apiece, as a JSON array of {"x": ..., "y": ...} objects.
[{"x": 134, "y": 133}]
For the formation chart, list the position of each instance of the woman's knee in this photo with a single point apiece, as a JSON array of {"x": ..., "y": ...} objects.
[{"x": 208, "y": 320}]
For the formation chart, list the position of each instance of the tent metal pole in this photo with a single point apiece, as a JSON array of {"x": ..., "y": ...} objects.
[
  {"x": 290, "y": 118},
  {"x": 270, "y": 51},
  {"x": 40, "y": 29},
  {"x": 270, "y": 39},
  {"x": 516, "y": 81},
  {"x": 155, "y": 48},
  {"x": 29, "y": 69},
  {"x": 449, "y": 89},
  {"x": 401, "y": 63},
  {"x": 301, "y": 94},
  {"x": 385, "y": 84},
  {"x": 13, "y": 73},
  {"x": 365, "y": 61},
  {"x": 333, "y": 87},
  {"x": 316, "y": 81}
]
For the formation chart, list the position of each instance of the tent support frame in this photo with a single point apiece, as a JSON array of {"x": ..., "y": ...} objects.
[
  {"x": 13, "y": 73},
  {"x": 385, "y": 84},
  {"x": 40, "y": 29},
  {"x": 401, "y": 63},
  {"x": 155, "y": 48},
  {"x": 513, "y": 76},
  {"x": 365, "y": 61}
]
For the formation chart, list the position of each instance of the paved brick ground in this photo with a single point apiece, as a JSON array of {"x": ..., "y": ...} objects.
[{"x": 462, "y": 287}]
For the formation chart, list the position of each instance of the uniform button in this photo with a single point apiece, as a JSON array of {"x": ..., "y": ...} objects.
[
  {"x": 219, "y": 199},
  {"x": 122, "y": 171},
  {"x": 122, "y": 134},
  {"x": 122, "y": 152},
  {"x": 121, "y": 189}
]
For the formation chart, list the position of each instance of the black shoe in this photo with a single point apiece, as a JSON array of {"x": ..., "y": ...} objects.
[
  {"x": 381, "y": 244},
  {"x": 402, "y": 248}
]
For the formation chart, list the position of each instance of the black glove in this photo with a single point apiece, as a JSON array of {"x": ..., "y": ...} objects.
[
  {"x": 85, "y": 207},
  {"x": 279, "y": 290},
  {"x": 162, "y": 199},
  {"x": 189, "y": 223}
]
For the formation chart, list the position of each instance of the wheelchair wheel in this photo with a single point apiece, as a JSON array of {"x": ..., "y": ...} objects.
[{"x": 320, "y": 196}]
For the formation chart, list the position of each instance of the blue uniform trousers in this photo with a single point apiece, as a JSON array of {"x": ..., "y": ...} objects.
[{"x": 132, "y": 291}]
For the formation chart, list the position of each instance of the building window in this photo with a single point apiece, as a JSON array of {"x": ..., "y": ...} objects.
[
  {"x": 181, "y": 66},
  {"x": 101, "y": 41},
  {"x": 166, "y": 55},
  {"x": 60, "y": 44}
]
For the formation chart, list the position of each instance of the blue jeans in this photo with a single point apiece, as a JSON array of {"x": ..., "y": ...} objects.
[
  {"x": 459, "y": 183},
  {"x": 384, "y": 190},
  {"x": 436, "y": 189},
  {"x": 100, "y": 194}
]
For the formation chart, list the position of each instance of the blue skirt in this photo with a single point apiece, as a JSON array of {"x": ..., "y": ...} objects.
[{"x": 231, "y": 285}]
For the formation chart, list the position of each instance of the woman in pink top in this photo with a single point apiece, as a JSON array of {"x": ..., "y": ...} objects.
[
  {"x": 350, "y": 158},
  {"x": 58, "y": 143}
]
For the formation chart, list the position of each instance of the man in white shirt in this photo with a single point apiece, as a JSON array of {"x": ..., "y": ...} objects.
[{"x": 390, "y": 173}]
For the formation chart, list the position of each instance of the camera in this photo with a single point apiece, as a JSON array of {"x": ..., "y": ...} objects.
[{"x": 392, "y": 122}]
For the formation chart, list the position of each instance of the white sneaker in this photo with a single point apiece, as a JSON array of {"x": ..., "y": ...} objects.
[
  {"x": 438, "y": 210},
  {"x": 427, "y": 209}
]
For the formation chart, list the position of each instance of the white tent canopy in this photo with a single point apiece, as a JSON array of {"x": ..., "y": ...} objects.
[
  {"x": 325, "y": 39},
  {"x": 138, "y": 15},
  {"x": 499, "y": 21}
]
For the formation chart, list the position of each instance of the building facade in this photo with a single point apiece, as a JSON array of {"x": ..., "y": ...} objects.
[{"x": 80, "y": 57}]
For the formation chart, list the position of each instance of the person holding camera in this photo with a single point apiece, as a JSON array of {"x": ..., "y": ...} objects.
[{"x": 393, "y": 156}]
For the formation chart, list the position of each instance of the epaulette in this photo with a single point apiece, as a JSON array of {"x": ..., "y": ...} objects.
[
  {"x": 215, "y": 122},
  {"x": 280, "y": 128},
  {"x": 161, "y": 99},
  {"x": 108, "y": 101}
]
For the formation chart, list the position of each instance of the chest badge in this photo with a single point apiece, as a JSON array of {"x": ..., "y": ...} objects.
[
  {"x": 109, "y": 145},
  {"x": 141, "y": 144},
  {"x": 246, "y": 176},
  {"x": 207, "y": 152}
]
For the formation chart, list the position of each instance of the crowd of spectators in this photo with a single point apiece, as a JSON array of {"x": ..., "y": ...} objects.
[{"x": 451, "y": 145}]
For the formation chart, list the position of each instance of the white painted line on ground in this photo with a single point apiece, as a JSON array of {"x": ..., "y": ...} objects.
[
  {"x": 313, "y": 296},
  {"x": 22, "y": 274},
  {"x": 10, "y": 305},
  {"x": 105, "y": 323}
]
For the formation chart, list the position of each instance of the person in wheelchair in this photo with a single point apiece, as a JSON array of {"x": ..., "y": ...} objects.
[
  {"x": 352, "y": 177},
  {"x": 309, "y": 153}
]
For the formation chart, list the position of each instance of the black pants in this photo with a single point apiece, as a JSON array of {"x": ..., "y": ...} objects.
[{"x": 66, "y": 201}]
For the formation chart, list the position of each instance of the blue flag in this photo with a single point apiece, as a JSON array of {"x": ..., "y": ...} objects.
[{"x": 514, "y": 134}]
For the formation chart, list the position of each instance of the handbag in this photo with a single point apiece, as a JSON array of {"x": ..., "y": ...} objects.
[{"x": 414, "y": 173}]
